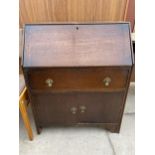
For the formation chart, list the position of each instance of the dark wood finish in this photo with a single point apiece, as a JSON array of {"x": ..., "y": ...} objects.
[
  {"x": 78, "y": 78},
  {"x": 133, "y": 75},
  {"x": 56, "y": 107},
  {"x": 133, "y": 71},
  {"x": 100, "y": 107},
  {"x": 77, "y": 45},
  {"x": 78, "y": 65}
]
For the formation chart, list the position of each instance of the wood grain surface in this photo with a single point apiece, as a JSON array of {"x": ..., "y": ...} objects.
[
  {"x": 23, "y": 109},
  {"x": 73, "y": 79},
  {"x": 78, "y": 57},
  {"x": 103, "y": 44},
  {"x": 57, "y": 107},
  {"x": 39, "y": 11},
  {"x": 129, "y": 14}
]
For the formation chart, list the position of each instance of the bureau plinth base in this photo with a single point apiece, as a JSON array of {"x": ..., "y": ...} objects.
[{"x": 112, "y": 127}]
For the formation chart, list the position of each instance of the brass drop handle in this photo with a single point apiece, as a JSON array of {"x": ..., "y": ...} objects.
[
  {"x": 73, "y": 110},
  {"x": 107, "y": 81},
  {"x": 49, "y": 82},
  {"x": 83, "y": 109}
]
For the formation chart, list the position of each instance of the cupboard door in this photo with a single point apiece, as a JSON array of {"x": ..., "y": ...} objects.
[
  {"x": 100, "y": 107},
  {"x": 55, "y": 108}
]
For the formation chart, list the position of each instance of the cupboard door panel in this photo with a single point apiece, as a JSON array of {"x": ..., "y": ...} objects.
[
  {"x": 55, "y": 108},
  {"x": 100, "y": 107}
]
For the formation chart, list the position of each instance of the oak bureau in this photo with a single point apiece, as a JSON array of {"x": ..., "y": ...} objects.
[{"x": 78, "y": 72}]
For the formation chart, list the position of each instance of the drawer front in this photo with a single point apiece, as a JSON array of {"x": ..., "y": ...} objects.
[{"x": 77, "y": 78}]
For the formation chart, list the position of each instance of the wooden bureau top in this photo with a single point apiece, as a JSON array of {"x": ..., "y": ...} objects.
[{"x": 71, "y": 45}]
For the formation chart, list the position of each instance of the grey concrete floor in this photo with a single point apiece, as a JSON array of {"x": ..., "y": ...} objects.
[{"x": 82, "y": 140}]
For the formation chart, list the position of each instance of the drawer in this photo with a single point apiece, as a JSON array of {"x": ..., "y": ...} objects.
[{"x": 77, "y": 78}]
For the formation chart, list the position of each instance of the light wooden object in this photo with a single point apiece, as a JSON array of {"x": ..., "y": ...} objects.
[
  {"x": 129, "y": 14},
  {"x": 45, "y": 11},
  {"x": 23, "y": 109}
]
